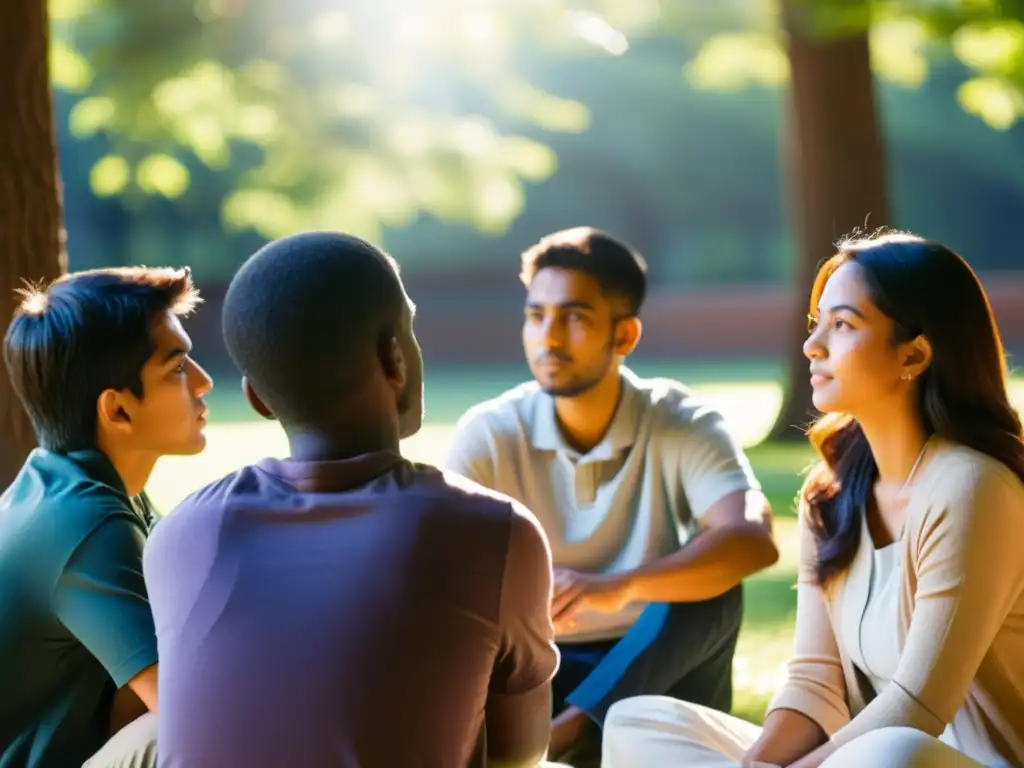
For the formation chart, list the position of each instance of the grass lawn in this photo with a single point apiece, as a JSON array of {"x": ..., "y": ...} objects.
[{"x": 747, "y": 396}]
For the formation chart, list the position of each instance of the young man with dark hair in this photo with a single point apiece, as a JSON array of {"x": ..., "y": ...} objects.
[
  {"x": 652, "y": 511},
  {"x": 101, "y": 364},
  {"x": 345, "y": 607}
]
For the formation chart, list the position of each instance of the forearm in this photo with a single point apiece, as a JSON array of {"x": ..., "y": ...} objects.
[
  {"x": 816, "y": 757},
  {"x": 144, "y": 685},
  {"x": 787, "y": 737},
  {"x": 712, "y": 564},
  {"x": 126, "y": 708}
]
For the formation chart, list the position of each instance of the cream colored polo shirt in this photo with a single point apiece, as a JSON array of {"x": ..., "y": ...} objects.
[{"x": 636, "y": 497}]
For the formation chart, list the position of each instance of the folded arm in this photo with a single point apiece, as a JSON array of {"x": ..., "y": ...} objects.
[
  {"x": 735, "y": 537},
  {"x": 734, "y": 542}
]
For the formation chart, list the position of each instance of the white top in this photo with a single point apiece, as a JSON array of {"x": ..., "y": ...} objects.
[
  {"x": 872, "y": 643},
  {"x": 636, "y": 497}
]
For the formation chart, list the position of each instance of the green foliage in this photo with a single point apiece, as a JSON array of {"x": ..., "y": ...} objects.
[
  {"x": 353, "y": 115},
  {"x": 367, "y": 114},
  {"x": 671, "y": 167},
  {"x": 987, "y": 36}
]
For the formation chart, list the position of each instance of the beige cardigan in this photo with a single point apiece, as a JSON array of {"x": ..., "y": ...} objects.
[{"x": 961, "y": 613}]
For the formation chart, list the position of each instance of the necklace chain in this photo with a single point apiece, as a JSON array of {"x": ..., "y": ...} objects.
[{"x": 917, "y": 463}]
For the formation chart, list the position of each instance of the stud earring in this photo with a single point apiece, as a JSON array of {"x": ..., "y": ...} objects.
[{"x": 906, "y": 377}]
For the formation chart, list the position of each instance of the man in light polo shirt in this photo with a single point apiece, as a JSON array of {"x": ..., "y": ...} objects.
[{"x": 653, "y": 514}]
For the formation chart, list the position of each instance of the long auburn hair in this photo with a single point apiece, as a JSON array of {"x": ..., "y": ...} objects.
[{"x": 926, "y": 289}]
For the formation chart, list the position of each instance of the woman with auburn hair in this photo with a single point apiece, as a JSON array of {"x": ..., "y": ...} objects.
[{"x": 909, "y": 645}]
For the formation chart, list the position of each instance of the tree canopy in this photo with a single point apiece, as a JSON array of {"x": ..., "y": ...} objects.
[
  {"x": 987, "y": 36},
  {"x": 368, "y": 113},
  {"x": 325, "y": 112}
]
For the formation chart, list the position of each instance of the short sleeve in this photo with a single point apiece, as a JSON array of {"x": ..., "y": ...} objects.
[
  {"x": 100, "y": 596},
  {"x": 518, "y": 709},
  {"x": 471, "y": 453},
  {"x": 711, "y": 461},
  {"x": 528, "y": 657}
]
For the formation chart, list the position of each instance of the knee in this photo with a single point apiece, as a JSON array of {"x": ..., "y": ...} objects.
[
  {"x": 895, "y": 747},
  {"x": 647, "y": 713},
  {"x": 641, "y": 727},
  {"x": 633, "y": 709},
  {"x": 630, "y": 722}
]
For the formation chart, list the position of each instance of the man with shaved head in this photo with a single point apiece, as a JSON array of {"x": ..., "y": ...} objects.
[{"x": 345, "y": 607}]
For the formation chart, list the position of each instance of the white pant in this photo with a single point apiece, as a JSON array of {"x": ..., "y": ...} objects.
[
  {"x": 650, "y": 731},
  {"x": 134, "y": 746}
]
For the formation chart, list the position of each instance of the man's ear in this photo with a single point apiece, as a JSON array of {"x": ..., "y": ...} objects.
[
  {"x": 113, "y": 411},
  {"x": 627, "y": 335},
  {"x": 393, "y": 362},
  {"x": 255, "y": 402}
]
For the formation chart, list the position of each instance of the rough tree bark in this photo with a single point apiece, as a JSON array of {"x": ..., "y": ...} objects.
[
  {"x": 31, "y": 232},
  {"x": 836, "y": 161}
]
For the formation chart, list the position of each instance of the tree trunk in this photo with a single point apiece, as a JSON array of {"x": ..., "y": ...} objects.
[
  {"x": 31, "y": 233},
  {"x": 836, "y": 162}
]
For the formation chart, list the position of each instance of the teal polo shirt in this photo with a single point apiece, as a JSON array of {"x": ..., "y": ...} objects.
[{"x": 75, "y": 622}]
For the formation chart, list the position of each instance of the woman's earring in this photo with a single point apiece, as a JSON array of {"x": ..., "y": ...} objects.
[{"x": 906, "y": 377}]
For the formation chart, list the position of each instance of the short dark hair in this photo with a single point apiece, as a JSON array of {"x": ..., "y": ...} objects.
[
  {"x": 619, "y": 269},
  {"x": 307, "y": 316},
  {"x": 85, "y": 333}
]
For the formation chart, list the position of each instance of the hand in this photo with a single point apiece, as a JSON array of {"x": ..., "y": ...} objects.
[
  {"x": 750, "y": 759},
  {"x": 751, "y": 762},
  {"x": 576, "y": 592}
]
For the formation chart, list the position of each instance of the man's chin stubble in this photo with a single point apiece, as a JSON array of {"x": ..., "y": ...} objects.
[{"x": 569, "y": 390}]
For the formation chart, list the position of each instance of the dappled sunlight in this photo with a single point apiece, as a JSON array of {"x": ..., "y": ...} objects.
[
  {"x": 991, "y": 99},
  {"x": 365, "y": 115},
  {"x": 736, "y": 61},
  {"x": 991, "y": 49},
  {"x": 748, "y": 409},
  {"x": 898, "y": 51}
]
